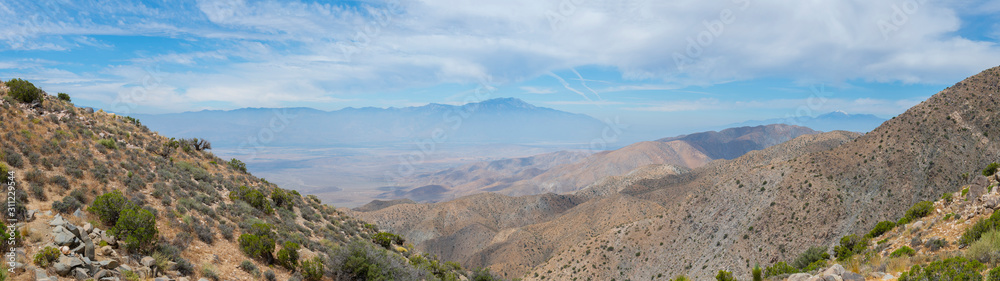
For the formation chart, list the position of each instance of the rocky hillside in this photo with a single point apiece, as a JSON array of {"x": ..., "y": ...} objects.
[
  {"x": 538, "y": 174},
  {"x": 763, "y": 213},
  {"x": 99, "y": 196}
]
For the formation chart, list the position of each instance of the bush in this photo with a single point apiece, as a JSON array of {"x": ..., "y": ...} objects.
[
  {"x": 238, "y": 165},
  {"x": 724, "y": 276},
  {"x": 994, "y": 274},
  {"x": 6, "y": 235},
  {"x": 986, "y": 249},
  {"x": 312, "y": 269},
  {"x": 779, "y": 269},
  {"x": 981, "y": 227},
  {"x": 281, "y": 198},
  {"x": 108, "y": 143},
  {"x": 226, "y": 231},
  {"x": 386, "y": 239},
  {"x": 24, "y": 91},
  {"x": 108, "y": 207},
  {"x": 269, "y": 275},
  {"x": 252, "y": 196},
  {"x": 288, "y": 256},
  {"x": 67, "y": 205},
  {"x": 881, "y": 228},
  {"x": 64, "y": 97},
  {"x": 903, "y": 251},
  {"x": 991, "y": 169},
  {"x": 137, "y": 228},
  {"x": 46, "y": 256},
  {"x": 4, "y": 172},
  {"x": 956, "y": 268},
  {"x": 811, "y": 255},
  {"x": 248, "y": 266},
  {"x": 204, "y": 233},
  {"x": 363, "y": 261},
  {"x": 208, "y": 271},
  {"x": 947, "y": 197},
  {"x": 850, "y": 245},
  {"x": 756, "y": 274},
  {"x": 258, "y": 243},
  {"x": 60, "y": 181}
]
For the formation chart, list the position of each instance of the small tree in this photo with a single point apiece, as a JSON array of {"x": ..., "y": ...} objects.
[
  {"x": 312, "y": 269},
  {"x": 238, "y": 165},
  {"x": 757, "y": 276},
  {"x": 108, "y": 206},
  {"x": 24, "y": 91},
  {"x": 288, "y": 256},
  {"x": 137, "y": 228},
  {"x": 991, "y": 169},
  {"x": 64, "y": 97},
  {"x": 258, "y": 242},
  {"x": 724, "y": 276},
  {"x": 281, "y": 198}
]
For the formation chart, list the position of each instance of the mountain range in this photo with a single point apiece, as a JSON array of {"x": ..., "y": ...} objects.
[{"x": 837, "y": 120}]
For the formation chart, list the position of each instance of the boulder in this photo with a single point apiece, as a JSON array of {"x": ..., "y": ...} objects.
[
  {"x": 851, "y": 276},
  {"x": 888, "y": 276},
  {"x": 836, "y": 269},
  {"x": 832, "y": 278},
  {"x": 182, "y": 278},
  {"x": 78, "y": 249},
  {"x": 917, "y": 225},
  {"x": 799, "y": 277},
  {"x": 101, "y": 274},
  {"x": 106, "y": 250},
  {"x": 88, "y": 249},
  {"x": 40, "y": 274},
  {"x": 147, "y": 261},
  {"x": 109, "y": 238},
  {"x": 87, "y": 227},
  {"x": 161, "y": 279},
  {"x": 76, "y": 262},
  {"x": 63, "y": 266},
  {"x": 81, "y": 273},
  {"x": 30, "y": 216},
  {"x": 109, "y": 264},
  {"x": 80, "y": 214},
  {"x": 57, "y": 221}
]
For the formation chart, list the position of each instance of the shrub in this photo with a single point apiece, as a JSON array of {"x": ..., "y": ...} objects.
[
  {"x": 993, "y": 274},
  {"x": 312, "y": 269},
  {"x": 811, "y": 255},
  {"x": 850, "y": 245},
  {"x": 269, "y": 275},
  {"x": 208, "y": 271},
  {"x": 258, "y": 243},
  {"x": 724, "y": 276},
  {"x": 226, "y": 231},
  {"x": 386, "y": 239},
  {"x": 108, "y": 207},
  {"x": 238, "y": 165},
  {"x": 919, "y": 210},
  {"x": 252, "y": 196},
  {"x": 991, "y": 169},
  {"x": 108, "y": 143},
  {"x": 67, "y": 205},
  {"x": 204, "y": 233},
  {"x": 281, "y": 198},
  {"x": 973, "y": 233},
  {"x": 4, "y": 172},
  {"x": 956, "y": 268},
  {"x": 881, "y": 228},
  {"x": 137, "y": 228},
  {"x": 756, "y": 274},
  {"x": 46, "y": 256},
  {"x": 60, "y": 181},
  {"x": 24, "y": 91},
  {"x": 779, "y": 269},
  {"x": 248, "y": 266},
  {"x": 903, "y": 251},
  {"x": 986, "y": 249},
  {"x": 364, "y": 261},
  {"x": 64, "y": 97},
  {"x": 288, "y": 256},
  {"x": 934, "y": 244}
]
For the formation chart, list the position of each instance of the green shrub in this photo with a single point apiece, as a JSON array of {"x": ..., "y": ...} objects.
[
  {"x": 483, "y": 274},
  {"x": 994, "y": 274},
  {"x": 108, "y": 143},
  {"x": 312, "y": 269},
  {"x": 247, "y": 266},
  {"x": 386, "y": 239},
  {"x": 137, "y": 228},
  {"x": 288, "y": 256},
  {"x": 947, "y": 196},
  {"x": 756, "y": 274},
  {"x": 238, "y": 165},
  {"x": 24, "y": 91},
  {"x": 4, "y": 172},
  {"x": 815, "y": 265},
  {"x": 881, "y": 228},
  {"x": 281, "y": 198},
  {"x": 903, "y": 251},
  {"x": 811, "y": 255},
  {"x": 725, "y": 276},
  {"x": 779, "y": 269},
  {"x": 680, "y": 278},
  {"x": 269, "y": 275},
  {"x": 108, "y": 207},
  {"x": 46, "y": 256},
  {"x": 991, "y": 169},
  {"x": 64, "y": 97},
  {"x": 254, "y": 197},
  {"x": 986, "y": 249},
  {"x": 359, "y": 260},
  {"x": 850, "y": 245},
  {"x": 67, "y": 205},
  {"x": 208, "y": 271},
  {"x": 258, "y": 243},
  {"x": 957, "y": 268},
  {"x": 973, "y": 233},
  {"x": 920, "y": 210}
]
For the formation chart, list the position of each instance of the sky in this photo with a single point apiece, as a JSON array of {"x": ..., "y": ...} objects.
[{"x": 666, "y": 66}]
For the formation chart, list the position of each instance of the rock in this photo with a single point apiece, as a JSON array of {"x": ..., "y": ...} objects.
[
  {"x": 836, "y": 269},
  {"x": 109, "y": 264},
  {"x": 64, "y": 250},
  {"x": 88, "y": 250},
  {"x": 799, "y": 277},
  {"x": 57, "y": 221},
  {"x": 991, "y": 200},
  {"x": 40, "y": 274},
  {"x": 851, "y": 276},
  {"x": 109, "y": 238},
  {"x": 80, "y": 214},
  {"x": 161, "y": 279},
  {"x": 145, "y": 272},
  {"x": 124, "y": 267},
  {"x": 79, "y": 249},
  {"x": 182, "y": 278},
  {"x": 917, "y": 225},
  {"x": 147, "y": 261},
  {"x": 888, "y": 277},
  {"x": 87, "y": 227},
  {"x": 202, "y": 279},
  {"x": 81, "y": 273},
  {"x": 30, "y": 216},
  {"x": 62, "y": 267},
  {"x": 110, "y": 279},
  {"x": 832, "y": 278},
  {"x": 73, "y": 229},
  {"x": 106, "y": 250},
  {"x": 101, "y": 274},
  {"x": 76, "y": 262},
  {"x": 48, "y": 213}
]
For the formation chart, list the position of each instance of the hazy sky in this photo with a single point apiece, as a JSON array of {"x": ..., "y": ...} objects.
[{"x": 673, "y": 64}]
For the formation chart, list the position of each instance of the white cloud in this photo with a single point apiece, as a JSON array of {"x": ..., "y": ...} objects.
[
  {"x": 537, "y": 90},
  {"x": 808, "y": 106}
]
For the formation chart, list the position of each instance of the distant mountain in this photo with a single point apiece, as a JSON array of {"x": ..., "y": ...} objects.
[
  {"x": 837, "y": 120},
  {"x": 501, "y": 120}
]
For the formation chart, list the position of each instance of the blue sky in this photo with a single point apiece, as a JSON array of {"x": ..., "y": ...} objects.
[{"x": 664, "y": 66}]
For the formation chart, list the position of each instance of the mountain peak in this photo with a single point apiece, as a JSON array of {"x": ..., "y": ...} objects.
[{"x": 505, "y": 103}]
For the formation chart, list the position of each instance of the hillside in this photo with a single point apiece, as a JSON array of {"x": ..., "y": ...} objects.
[
  {"x": 100, "y": 195},
  {"x": 745, "y": 215},
  {"x": 540, "y": 174}
]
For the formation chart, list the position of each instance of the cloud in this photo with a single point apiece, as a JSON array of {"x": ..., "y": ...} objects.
[
  {"x": 807, "y": 106},
  {"x": 584, "y": 102},
  {"x": 537, "y": 90}
]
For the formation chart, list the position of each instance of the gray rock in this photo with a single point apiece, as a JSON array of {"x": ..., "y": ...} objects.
[
  {"x": 40, "y": 274},
  {"x": 78, "y": 249},
  {"x": 147, "y": 261},
  {"x": 799, "y": 277},
  {"x": 124, "y": 267},
  {"x": 202, "y": 279},
  {"x": 101, "y": 274},
  {"x": 81, "y": 273},
  {"x": 888, "y": 276},
  {"x": 80, "y": 214},
  {"x": 161, "y": 279},
  {"x": 106, "y": 250},
  {"x": 917, "y": 225},
  {"x": 110, "y": 279},
  {"x": 89, "y": 249},
  {"x": 109, "y": 264},
  {"x": 87, "y": 227},
  {"x": 30, "y": 216},
  {"x": 58, "y": 220},
  {"x": 76, "y": 262},
  {"x": 182, "y": 278},
  {"x": 836, "y": 269},
  {"x": 831, "y": 278},
  {"x": 73, "y": 229},
  {"x": 876, "y": 275},
  {"x": 62, "y": 267},
  {"x": 851, "y": 276},
  {"x": 109, "y": 238}
]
